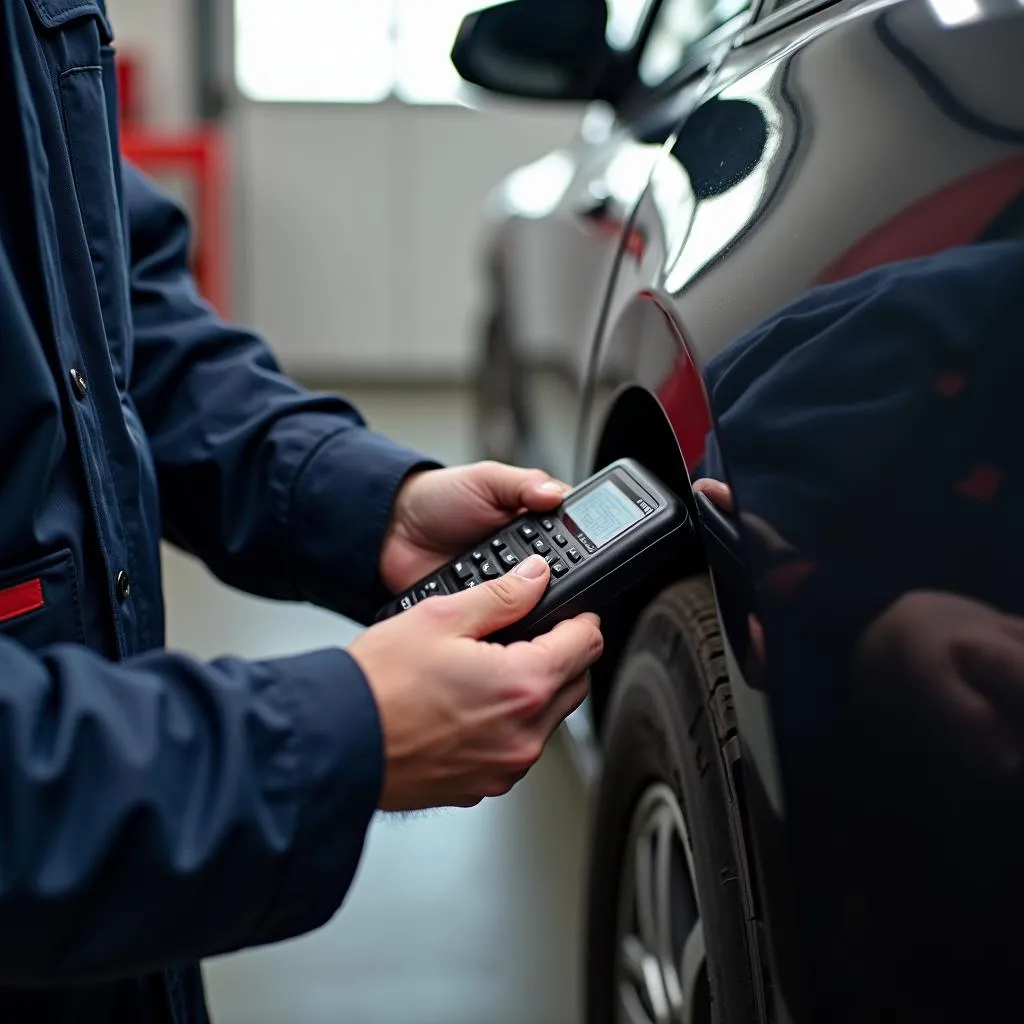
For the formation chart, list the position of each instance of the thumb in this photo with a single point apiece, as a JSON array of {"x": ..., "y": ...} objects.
[{"x": 484, "y": 609}]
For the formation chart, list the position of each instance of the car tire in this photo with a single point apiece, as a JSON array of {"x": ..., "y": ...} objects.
[{"x": 669, "y": 744}]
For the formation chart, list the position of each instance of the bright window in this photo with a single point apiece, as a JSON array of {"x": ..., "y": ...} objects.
[
  {"x": 348, "y": 51},
  {"x": 678, "y": 25},
  {"x": 625, "y": 18}
]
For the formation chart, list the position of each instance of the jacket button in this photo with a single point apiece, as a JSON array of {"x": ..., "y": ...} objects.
[
  {"x": 124, "y": 586},
  {"x": 79, "y": 383}
]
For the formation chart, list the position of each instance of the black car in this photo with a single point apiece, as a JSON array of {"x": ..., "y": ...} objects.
[{"x": 783, "y": 267}]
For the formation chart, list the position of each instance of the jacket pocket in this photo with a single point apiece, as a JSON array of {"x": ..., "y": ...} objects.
[
  {"x": 58, "y": 13},
  {"x": 39, "y": 602}
]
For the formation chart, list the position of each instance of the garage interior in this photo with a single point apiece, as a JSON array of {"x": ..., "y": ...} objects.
[
  {"x": 780, "y": 248},
  {"x": 349, "y": 232}
]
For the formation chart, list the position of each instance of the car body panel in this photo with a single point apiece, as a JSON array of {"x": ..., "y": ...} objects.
[
  {"x": 880, "y": 846},
  {"x": 555, "y": 231},
  {"x": 829, "y": 195}
]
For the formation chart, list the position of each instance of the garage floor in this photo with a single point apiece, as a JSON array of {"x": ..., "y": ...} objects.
[{"x": 456, "y": 917}]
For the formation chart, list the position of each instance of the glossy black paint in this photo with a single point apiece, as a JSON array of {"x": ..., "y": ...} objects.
[{"x": 874, "y": 600}]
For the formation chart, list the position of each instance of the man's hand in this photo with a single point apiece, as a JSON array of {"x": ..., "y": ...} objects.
[
  {"x": 440, "y": 512},
  {"x": 462, "y": 719},
  {"x": 719, "y": 494},
  {"x": 959, "y": 664}
]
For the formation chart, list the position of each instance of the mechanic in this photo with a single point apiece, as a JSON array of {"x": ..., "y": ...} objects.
[{"x": 155, "y": 810}]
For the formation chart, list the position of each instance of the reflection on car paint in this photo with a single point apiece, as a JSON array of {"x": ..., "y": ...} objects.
[
  {"x": 824, "y": 296},
  {"x": 868, "y": 428}
]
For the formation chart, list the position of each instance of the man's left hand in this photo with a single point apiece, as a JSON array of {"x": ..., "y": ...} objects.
[{"x": 439, "y": 513}]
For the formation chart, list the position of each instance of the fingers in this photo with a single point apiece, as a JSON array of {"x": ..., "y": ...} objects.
[
  {"x": 717, "y": 492},
  {"x": 994, "y": 665},
  {"x": 1013, "y": 626},
  {"x": 543, "y": 495},
  {"x": 485, "y": 609},
  {"x": 720, "y": 495},
  {"x": 569, "y": 649},
  {"x": 975, "y": 726},
  {"x": 512, "y": 488},
  {"x": 564, "y": 703}
]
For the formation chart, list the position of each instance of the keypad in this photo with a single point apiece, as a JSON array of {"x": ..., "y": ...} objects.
[
  {"x": 545, "y": 536},
  {"x": 501, "y": 554}
]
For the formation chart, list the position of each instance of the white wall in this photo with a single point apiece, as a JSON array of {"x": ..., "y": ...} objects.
[
  {"x": 358, "y": 228},
  {"x": 363, "y": 228},
  {"x": 159, "y": 31}
]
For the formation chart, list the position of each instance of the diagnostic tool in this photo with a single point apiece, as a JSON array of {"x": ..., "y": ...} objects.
[{"x": 609, "y": 532}]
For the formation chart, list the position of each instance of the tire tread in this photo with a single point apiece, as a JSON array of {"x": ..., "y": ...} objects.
[{"x": 678, "y": 641}]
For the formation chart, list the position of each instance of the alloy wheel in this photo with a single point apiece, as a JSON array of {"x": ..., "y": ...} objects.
[{"x": 660, "y": 961}]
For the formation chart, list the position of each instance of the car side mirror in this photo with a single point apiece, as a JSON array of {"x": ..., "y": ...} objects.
[{"x": 538, "y": 49}]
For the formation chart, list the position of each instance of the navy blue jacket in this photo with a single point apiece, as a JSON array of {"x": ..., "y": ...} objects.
[{"x": 154, "y": 809}]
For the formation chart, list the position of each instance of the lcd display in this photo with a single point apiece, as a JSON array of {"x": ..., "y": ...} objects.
[{"x": 603, "y": 513}]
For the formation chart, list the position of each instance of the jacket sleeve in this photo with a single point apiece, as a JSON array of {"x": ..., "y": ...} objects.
[
  {"x": 161, "y": 810},
  {"x": 281, "y": 492}
]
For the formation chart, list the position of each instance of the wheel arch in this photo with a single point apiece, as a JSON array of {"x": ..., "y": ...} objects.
[{"x": 637, "y": 426}]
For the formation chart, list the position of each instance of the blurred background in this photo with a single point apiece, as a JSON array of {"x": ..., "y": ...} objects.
[
  {"x": 338, "y": 175},
  {"x": 355, "y": 175}
]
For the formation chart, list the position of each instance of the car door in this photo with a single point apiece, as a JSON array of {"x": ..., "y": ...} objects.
[{"x": 888, "y": 132}]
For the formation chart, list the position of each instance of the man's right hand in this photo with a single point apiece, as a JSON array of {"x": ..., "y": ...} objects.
[{"x": 463, "y": 719}]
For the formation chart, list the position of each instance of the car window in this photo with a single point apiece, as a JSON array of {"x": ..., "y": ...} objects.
[{"x": 677, "y": 27}]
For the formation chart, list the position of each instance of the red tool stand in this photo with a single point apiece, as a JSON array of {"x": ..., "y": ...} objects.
[{"x": 198, "y": 154}]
